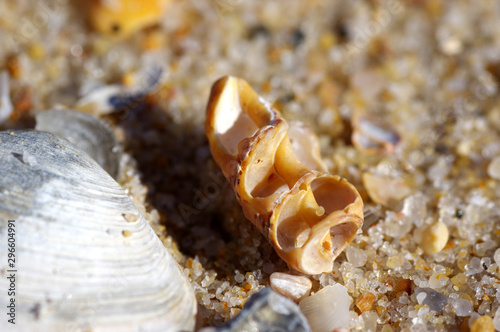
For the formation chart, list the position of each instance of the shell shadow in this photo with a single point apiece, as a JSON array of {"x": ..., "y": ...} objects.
[{"x": 196, "y": 203}]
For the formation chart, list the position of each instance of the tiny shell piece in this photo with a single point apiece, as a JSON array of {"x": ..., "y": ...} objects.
[
  {"x": 123, "y": 17},
  {"x": 365, "y": 302},
  {"x": 434, "y": 237},
  {"x": 385, "y": 190},
  {"x": 292, "y": 286},
  {"x": 275, "y": 169},
  {"x": 371, "y": 136},
  {"x": 328, "y": 309},
  {"x": 402, "y": 285}
]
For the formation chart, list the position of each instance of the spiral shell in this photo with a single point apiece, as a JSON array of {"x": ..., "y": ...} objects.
[
  {"x": 86, "y": 257},
  {"x": 275, "y": 169}
]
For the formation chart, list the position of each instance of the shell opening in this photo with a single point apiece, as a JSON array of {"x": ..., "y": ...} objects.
[
  {"x": 292, "y": 230},
  {"x": 341, "y": 236},
  {"x": 301, "y": 217},
  {"x": 321, "y": 249},
  {"x": 332, "y": 195},
  {"x": 232, "y": 125},
  {"x": 272, "y": 183},
  {"x": 239, "y": 114}
]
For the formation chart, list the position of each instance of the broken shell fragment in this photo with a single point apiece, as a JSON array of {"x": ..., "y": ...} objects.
[
  {"x": 371, "y": 136},
  {"x": 291, "y": 286},
  {"x": 102, "y": 99},
  {"x": 327, "y": 309},
  {"x": 365, "y": 301},
  {"x": 308, "y": 215},
  {"x": 386, "y": 190},
  {"x": 305, "y": 145},
  {"x": 123, "y": 17}
]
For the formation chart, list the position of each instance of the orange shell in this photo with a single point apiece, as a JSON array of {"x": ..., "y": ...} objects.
[{"x": 276, "y": 171}]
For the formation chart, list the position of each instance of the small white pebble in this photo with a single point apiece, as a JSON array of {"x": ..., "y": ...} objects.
[
  {"x": 496, "y": 320},
  {"x": 462, "y": 307},
  {"x": 494, "y": 168},
  {"x": 238, "y": 277},
  {"x": 423, "y": 312},
  {"x": 369, "y": 319},
  {"x": 434, "y": 238},
  {"x": 29, "y": 159},
  {"x": 394, "y": 262},
  {"x": 496, "y": 256},
  {"x": 451, "y": 46},
  {"x": 421, "y": 297},
  {"x": 438, "y": 280},
  {"x": 357, "y": 257},
  {"x": 474, "y": 267},
  {"x": 292, "y": 286}
]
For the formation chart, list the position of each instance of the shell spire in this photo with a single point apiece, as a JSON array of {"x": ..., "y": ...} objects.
[{"x": 276, "y": 171}]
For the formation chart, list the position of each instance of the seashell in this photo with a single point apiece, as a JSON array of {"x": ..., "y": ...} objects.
[
  {"x": 289, "y": 285},
  {"x": 371, "y": 136},
  {"x": 327, "y": 309},
  {"x": 86, "y": 258},
  {"x": 305, "y": 145},
  {"x": 402, "y": 285},
  {"x": 308, "y": 215},
  {"x": 105, "y": 99},
  {"x": 386, "y": 190},
  {"x": 266, "y": 311},
  {"x": 370, "y": 218},
  {"x": 88, "y": 133},
  {"x": 121, "y": 18},
  {"x": 365, "y": 302}
]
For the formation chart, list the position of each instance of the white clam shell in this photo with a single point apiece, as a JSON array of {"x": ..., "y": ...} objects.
[
  {"x": 86, "y": 259},
  {"x": 89, "y": 133}
]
